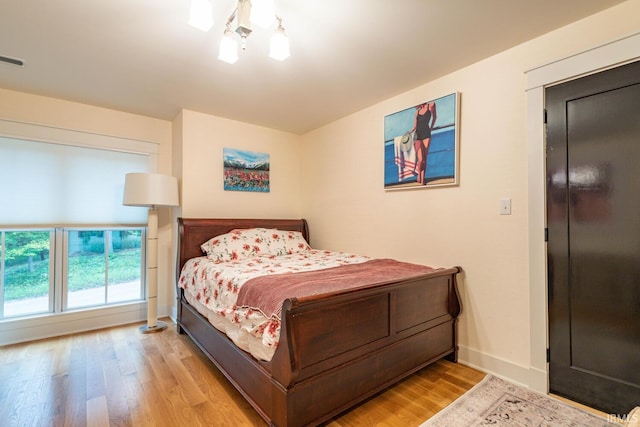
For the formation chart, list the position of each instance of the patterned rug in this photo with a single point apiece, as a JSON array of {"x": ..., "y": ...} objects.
[{"x": 495, "y": 402}]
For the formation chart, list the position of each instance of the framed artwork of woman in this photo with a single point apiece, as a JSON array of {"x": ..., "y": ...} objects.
[{"x": 421, "y": 145}]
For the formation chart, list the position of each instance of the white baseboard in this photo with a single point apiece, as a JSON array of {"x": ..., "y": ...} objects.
[
  {"x": 13, "y": 331},
  {"x": 499, "y": 367}
]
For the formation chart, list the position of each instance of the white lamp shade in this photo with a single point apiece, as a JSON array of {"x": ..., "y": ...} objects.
[
  {"x": 228, "y": 48},
  {"x": 150, "y": 189},
  {"x": 279, "y": 45},
  {"x": 201, "y": 14}
]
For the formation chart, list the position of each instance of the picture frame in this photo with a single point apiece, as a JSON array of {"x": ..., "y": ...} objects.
[
  {"x": 245, "y": 170},
  {"x": 421, "y": 145}
]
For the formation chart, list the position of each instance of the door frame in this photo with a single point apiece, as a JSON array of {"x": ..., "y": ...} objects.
[{"x": 600, "y": 58}]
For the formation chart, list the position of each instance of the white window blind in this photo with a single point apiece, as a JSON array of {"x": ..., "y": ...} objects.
[{"x": 51, "y": 183}]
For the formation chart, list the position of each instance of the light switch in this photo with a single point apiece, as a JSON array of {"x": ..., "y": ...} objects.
[{"x": 505, "y": 206}]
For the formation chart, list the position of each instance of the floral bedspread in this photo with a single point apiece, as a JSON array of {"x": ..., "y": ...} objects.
[{"x": 216, "y": 285}]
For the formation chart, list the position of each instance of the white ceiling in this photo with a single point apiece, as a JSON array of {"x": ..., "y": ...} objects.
[{"x": 140, "y": 56}]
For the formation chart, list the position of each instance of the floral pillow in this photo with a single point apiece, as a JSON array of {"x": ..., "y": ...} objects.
[
  {"x": 283, "y": 242},
  {"x": 236, "y": 245},
  {"x": 252, "y": 242}
]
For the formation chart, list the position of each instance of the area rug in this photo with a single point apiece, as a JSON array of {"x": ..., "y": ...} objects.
[{"x": 495, "y": 402}]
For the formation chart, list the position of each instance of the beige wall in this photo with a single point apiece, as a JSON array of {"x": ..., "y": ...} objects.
[
  {"x": 54, "y": 112},
  {"x": 347, "y": 208},
  {"x": 203, "y": 139}
]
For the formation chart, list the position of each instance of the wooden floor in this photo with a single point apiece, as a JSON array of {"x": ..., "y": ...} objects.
[{"x": 119, "y": 377}]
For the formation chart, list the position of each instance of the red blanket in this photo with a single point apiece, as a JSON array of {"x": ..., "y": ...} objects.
[{"x": 267, "y": 293}]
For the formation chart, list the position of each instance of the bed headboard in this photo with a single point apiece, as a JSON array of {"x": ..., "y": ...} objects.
[{"x": 193, "y": 232}]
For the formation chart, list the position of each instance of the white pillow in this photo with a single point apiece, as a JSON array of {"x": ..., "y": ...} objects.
[
  {"x": 236, "y": 245},
  {"x": 252, "y": 242}
]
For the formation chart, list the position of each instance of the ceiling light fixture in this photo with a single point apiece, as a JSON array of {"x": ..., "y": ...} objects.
[{"x": 259, "y": 12}]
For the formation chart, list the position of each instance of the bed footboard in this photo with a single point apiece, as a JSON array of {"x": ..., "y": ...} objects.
[{"x": 339, "y": 350}]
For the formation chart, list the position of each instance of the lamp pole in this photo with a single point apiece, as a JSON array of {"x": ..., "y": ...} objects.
[{"x": 153, "y": 324}]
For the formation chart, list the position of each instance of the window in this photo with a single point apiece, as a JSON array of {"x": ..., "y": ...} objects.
[
  {"x": 68, "y": 243},
  {"x": 26, "y": 281},
  {"x": 103, "y": 266},
  {"x": 97, "y": 267}
]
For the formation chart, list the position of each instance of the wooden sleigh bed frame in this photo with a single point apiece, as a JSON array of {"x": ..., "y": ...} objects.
[{"x": 335, "y": 350}]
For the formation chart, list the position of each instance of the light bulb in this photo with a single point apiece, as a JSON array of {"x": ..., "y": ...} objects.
[
  {"x": 279, "y": 45},
  {"x": 201, "y": 14},
  {"x": 228, "y": 48}
]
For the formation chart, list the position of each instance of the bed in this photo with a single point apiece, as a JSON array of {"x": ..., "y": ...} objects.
[{"x": 335, "y": 349}]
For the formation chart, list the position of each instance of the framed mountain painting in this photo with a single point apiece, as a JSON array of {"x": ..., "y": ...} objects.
[{"x": 245, "y": 170}]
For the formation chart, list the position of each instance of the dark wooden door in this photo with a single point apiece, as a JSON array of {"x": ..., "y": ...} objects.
[{"x": 593, "y": 217}]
